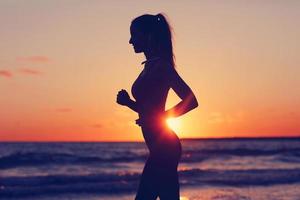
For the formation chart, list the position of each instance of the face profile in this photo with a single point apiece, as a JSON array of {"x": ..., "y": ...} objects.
[{"x": 137, "y": 39}]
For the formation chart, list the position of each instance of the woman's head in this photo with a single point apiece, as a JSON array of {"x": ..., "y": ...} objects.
[{"x": 152, "y": 33}]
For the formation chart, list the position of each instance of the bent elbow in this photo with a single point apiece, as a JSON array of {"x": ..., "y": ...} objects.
[
  {"x": 191, "y": 101},
  {"x": 194, "y": 103}
]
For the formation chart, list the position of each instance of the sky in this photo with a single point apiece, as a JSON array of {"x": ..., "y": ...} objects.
[{"x": 62, "y": 63}]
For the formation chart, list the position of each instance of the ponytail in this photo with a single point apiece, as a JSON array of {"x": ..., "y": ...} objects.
[{"x": 159, "y": 29}]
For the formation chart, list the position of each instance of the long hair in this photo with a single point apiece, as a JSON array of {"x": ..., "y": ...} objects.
[{"x": 159, "y": 30}]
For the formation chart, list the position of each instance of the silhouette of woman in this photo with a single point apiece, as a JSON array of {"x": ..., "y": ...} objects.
[{"x": 151, "y": 34}]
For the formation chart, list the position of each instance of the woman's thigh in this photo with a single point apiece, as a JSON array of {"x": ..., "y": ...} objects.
[
  {"x": 147, "y": 189},
  {"x": 169, "y": 188},
  {"x": 159, "y": 178}
]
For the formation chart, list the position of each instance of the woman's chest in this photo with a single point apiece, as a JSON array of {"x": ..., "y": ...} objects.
[{"x": 148, "y": 85}]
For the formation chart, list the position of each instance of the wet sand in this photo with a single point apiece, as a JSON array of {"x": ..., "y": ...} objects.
[{"x": 278, "y": 192}]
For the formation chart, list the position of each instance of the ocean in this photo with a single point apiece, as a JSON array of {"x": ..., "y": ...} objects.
[{"x": 210, "y": 169}]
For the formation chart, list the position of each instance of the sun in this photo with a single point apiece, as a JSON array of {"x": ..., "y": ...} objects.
[{"x": 174, "y": 124}]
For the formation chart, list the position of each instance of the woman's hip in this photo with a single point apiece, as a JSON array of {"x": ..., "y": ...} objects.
[{"x": 166, "y": 150}]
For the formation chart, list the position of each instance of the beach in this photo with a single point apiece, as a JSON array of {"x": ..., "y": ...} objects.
[{"x": 210, "y": 169}]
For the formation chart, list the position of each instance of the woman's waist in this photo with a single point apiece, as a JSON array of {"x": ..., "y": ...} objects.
[
  {"x": 162, "y": 141},
  {"x": 152, "y": 119}
]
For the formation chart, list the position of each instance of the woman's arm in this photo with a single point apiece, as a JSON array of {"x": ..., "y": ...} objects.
[
  {"x": 189, "y": 101},
  {"x": 123, "y": 99},
  {"x": 132, "y": 105}
]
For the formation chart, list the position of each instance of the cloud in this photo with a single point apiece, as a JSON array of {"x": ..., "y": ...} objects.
[
  {"x": 63, "y": 110},
  {"x": 34, "y": 59},
  {"x": 97, "y": 125},
  {"x": 6, "y": 73},
  {"x": 30, "y": 71},
  {"x": 218, "y": 117},
  {"x": 215, "y": 117}
]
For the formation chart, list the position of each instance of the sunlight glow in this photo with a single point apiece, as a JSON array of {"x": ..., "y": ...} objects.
[
  {"x": 184, "y": 198},
  {"x": 174, "y": 124}
]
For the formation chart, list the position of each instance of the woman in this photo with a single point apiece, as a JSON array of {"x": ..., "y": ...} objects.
[{"x": 151, "y": 34}]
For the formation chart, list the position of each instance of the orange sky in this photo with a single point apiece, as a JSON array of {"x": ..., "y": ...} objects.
[{"x": 63, "y": 62}]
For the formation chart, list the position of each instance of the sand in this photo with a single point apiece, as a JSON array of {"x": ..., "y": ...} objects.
[{"x": 278, "y": 192}]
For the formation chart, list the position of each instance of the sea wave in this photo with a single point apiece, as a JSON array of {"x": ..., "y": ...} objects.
[
  {"x": 23, "y": 159},
  {"x": 37, "y": 159},
  {"x": 246, "y": 152},
  {"x": 112, "y": 183}
]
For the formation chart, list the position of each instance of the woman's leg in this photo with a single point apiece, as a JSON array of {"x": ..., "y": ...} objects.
[
  {"x": 160, "y": 177},
  {"x": 169, "y": 188},
  {"x": 167, "y": 159},
  {"x": 147, "y": 189}
]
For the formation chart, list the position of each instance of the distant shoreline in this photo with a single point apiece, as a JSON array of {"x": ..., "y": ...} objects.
[{"x": 182, "y": 139}]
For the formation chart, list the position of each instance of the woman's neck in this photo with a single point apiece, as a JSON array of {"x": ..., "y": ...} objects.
[{"x": 149, "y": 54}]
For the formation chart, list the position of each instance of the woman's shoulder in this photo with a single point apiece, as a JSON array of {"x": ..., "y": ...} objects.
[
  {"x": 164, "y": 66},
  {"x": 168, "y": 69},
  {"x": 163, "y": 63},
  {"x": 164, "y": 70}
]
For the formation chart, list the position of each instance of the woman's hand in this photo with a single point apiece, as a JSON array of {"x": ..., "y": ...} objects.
[
  {"x": 139, "y": 122},
  {"x": 123, "y": 97}
]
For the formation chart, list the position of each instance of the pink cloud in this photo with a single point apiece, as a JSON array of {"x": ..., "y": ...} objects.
[
  {"x": 97, "y": 125},
  {"x": 34, "y": 59},
  {"x": 30, "y": 71},
  {"x": 6, "y": 73},
  {"x": 63, "y": 109}
]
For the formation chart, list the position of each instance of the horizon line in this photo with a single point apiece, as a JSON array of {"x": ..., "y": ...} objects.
[{"x": 182, "y": 139}]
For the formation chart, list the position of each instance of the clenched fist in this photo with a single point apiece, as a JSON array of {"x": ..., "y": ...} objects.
[{"x": 123, "y": 97}]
